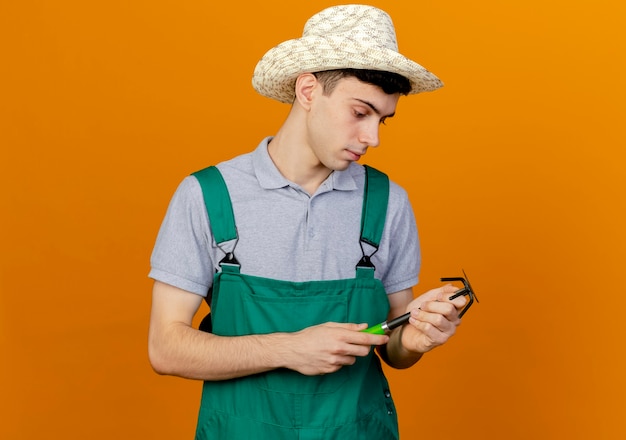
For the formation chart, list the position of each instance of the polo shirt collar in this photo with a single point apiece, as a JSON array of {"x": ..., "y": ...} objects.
[{"x": 270, "y": 178}]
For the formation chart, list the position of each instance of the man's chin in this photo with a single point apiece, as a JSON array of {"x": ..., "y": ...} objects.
[{"x": 341, "y": 166}]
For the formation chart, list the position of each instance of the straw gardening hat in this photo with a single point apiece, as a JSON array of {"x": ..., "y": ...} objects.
[{"x": 340, "y": 37}]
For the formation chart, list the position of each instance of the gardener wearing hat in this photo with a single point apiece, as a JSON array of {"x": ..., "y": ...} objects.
[{"x": 298, "y": 248}]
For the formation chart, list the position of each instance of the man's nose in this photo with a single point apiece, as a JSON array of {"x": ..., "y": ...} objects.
[{"x": 369, "y": 135}]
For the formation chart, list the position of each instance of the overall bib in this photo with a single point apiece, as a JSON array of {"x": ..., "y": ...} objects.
[{"x": 352, "y": 403}]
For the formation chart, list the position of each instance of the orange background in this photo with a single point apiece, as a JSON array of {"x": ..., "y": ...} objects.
[{"x": 515, "y": 170}]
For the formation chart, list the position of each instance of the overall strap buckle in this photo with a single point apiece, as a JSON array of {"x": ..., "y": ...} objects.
[{"x": 374, "y": 214}]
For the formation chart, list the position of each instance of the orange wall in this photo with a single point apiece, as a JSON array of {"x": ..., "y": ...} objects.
[{"x": 515, "y": 170}]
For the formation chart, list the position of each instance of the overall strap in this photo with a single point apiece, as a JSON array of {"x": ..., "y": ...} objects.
[
  {"x": 222, "y": 220},
  {"x": 219, "y": 207},
  {"x": 375, "y": 200}
]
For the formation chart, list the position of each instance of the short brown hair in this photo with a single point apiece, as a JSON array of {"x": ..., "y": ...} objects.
[{"x": 389, "y": 82}]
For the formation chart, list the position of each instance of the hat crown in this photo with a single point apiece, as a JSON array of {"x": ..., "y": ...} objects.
[
  {"x": 339, "y": 37},
  {"x": 366, "y": 24}
]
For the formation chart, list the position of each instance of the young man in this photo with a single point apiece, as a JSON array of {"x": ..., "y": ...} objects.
[{"x": 285, "y": 357}]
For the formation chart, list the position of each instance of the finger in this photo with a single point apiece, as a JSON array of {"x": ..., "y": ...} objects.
[
  {"x": 356, "y": 336},
  {"x": 437, "y": 294},
  {"x": 364, "y": 339},
  {"x": 459, "y": 302},
  {"x": 371, "y": 339},
  {"x": 340, "y": 361},
  {"x": 350, "y": 349},
  {"x": 434, "y": 294},
  {"x": 347, "y": 325},
  {"x": 446, "y": 291},
  {"x": 434, "y": 328},
  {"x": 440, "y": 316},
  {"x": 445, "y": 308}
]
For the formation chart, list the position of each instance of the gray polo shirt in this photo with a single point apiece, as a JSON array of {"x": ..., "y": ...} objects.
[{"x": 284, "y": 233}]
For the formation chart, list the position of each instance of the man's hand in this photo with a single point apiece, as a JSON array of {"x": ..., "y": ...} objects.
[
  {"x": 325, "y": 348},
  {"x": 434, "y": 319}
]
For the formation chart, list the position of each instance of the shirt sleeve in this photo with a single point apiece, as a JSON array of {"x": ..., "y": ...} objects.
[{"x": 182, "y": 253}]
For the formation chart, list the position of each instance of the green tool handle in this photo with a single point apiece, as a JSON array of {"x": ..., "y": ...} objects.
[
  {"x": 376, "y": 329},
  {"x": 383, "y": 327}
]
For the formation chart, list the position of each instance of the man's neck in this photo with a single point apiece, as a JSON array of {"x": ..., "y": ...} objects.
[{"x": 295, "y": 160}]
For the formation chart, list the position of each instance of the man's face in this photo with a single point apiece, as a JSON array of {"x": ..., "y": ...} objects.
[{"x": 341, "y": 126}]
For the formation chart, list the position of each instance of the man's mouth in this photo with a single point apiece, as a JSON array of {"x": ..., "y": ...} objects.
[{"x": 355, "y": 155}]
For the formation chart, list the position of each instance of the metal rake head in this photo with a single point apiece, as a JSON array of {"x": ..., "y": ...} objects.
[{"x": 465, "y": 291}]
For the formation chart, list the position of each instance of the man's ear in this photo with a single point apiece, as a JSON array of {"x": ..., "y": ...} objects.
[{"x": 306, "y": 84}]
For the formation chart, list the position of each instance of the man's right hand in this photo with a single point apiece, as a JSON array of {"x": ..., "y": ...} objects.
[{"x": 325, "y": 348}]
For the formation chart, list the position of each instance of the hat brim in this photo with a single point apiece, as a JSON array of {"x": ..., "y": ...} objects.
[{"x": 275, "y": 74}]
